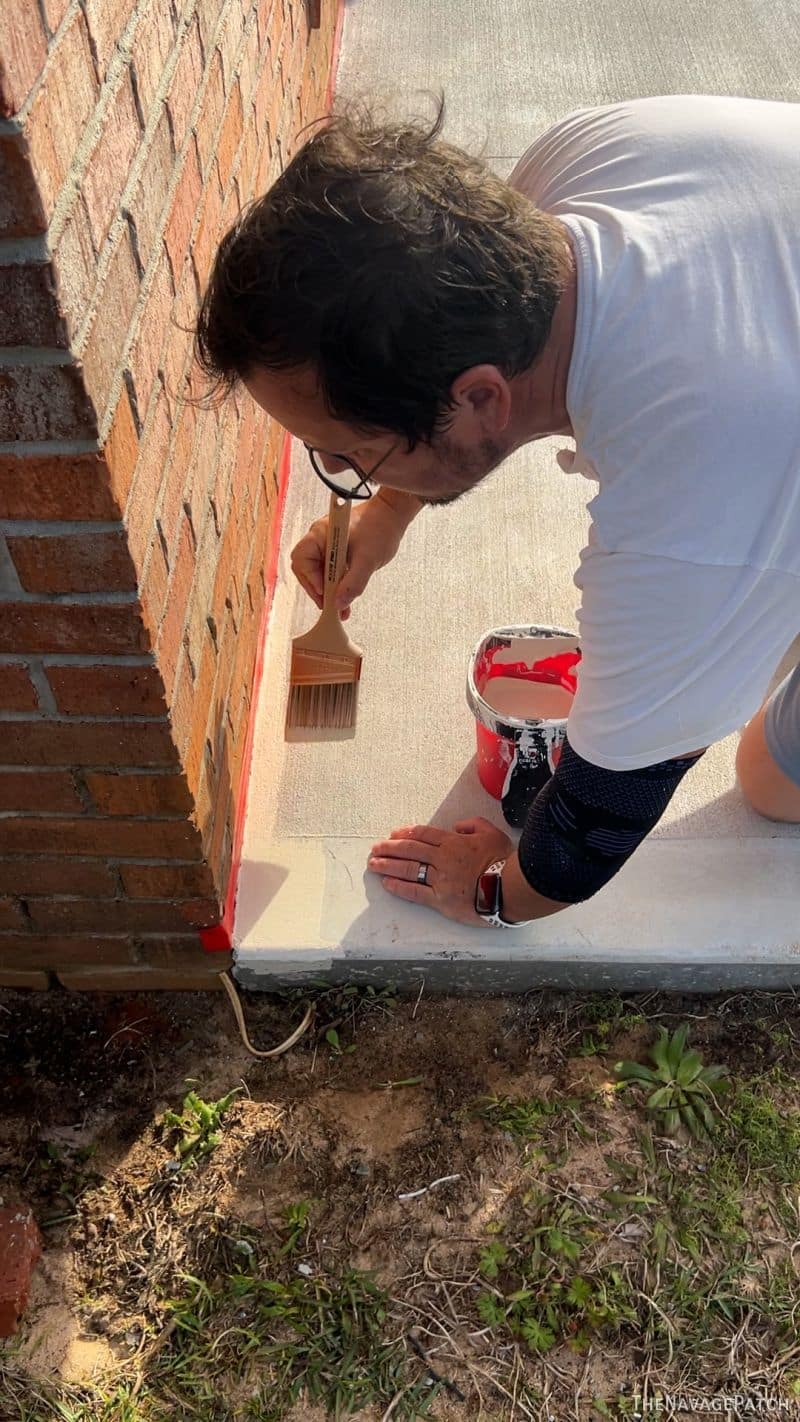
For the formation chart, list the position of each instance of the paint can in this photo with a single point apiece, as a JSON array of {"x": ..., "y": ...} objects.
[{"x": 520, "y": 731}]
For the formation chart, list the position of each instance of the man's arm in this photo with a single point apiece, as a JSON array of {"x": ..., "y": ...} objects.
[{"x": 581, "y": 828}]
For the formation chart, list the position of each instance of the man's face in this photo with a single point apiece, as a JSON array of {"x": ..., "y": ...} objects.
[{"x": 438, "y": 473}]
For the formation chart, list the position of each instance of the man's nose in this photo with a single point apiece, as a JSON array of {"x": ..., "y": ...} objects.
[{"x": 332, "y": 465}]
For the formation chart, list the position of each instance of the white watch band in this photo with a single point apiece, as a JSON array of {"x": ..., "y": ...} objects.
[{"x": 494, "y": 918}]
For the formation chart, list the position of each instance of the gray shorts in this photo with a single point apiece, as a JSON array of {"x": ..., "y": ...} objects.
[{"x": 782, "y": 725}]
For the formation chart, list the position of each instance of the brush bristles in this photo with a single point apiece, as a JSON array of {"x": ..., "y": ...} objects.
[{"x": 330, "y": 704}]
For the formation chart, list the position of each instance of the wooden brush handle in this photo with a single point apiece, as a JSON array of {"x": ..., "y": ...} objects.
[
  {"x": 328, "y": 633},
  {"x": 335, "y": 554}
]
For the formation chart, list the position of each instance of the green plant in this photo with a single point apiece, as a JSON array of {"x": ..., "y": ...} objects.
[
  {"x": 298, "y": 1219},
  {"x": 337, "y": 1050},
  {"x": 198, "y": 1122},
  {"x": 684, "y": 1089},
  {"x": 535, "y": 1288}
]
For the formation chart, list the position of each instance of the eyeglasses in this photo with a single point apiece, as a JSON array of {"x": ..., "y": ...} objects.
[{"x": 352, "y": 483}]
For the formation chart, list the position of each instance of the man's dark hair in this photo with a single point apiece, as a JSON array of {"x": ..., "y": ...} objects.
[{"x": 389, "y": 261}]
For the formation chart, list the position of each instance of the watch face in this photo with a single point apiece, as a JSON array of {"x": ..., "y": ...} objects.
[{"x": 486, "y": 893}]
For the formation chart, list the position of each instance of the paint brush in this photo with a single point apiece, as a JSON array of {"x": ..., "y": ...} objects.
[{"x": 326, "y": 665}]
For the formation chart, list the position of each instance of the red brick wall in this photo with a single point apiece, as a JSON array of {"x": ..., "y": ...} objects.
[{"x": 133, "y": 526}]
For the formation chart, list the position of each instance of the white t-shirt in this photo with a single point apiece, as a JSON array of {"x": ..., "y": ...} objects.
[{"x": 684, "y": 396}]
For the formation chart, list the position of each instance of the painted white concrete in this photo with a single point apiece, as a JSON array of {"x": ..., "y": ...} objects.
[{"x": 712, "y": 899}]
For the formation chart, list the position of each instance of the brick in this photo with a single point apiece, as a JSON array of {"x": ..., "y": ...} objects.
[
  {"x": 107, "y": 690},
  {"x": 147, "y": 205},
  {"x": 179, "y": 337},
  {"x": 109, "y": 329},
  {"x": 73, "y": 562},
  {"x": 201, "y": 473},
  {"x": 210, "y": 115},
  {"x": 54, "y": 486},
  {"x": 179, "y": 952},
  {"x": 202, "y": 593},
  {"x": 29, "y": 314},
  {"x": 229, "y": 136},
  {"x": 248, "y": 160},
  {"x": 251, "y": 61},
  {"x": 36, "y": 875},
  {"x": 177, "y": 474},
  {"x": 22, "y": 211},
  {"x": 136, "y": 916},
  {"x": 52, "y": 791},
  {"x": 54, "y": 12},
  {"x": 185, "y": 84},
  {"x": 207, "y": 15},
  {"x": 118, "y": 838},
  {"x": 153, "y": 447},
  {"x": 147, "y": 979},
  {"x": 107, "y": 19},
  {"x": 16, "y": 690},
  {"x": 165, "y": 881},
  {"x": 75, "y": 268},
  {"x": 153, "y": 592},
  {"x": 152, "y": 45},
  {"x": 121, "y": 450},
  {"x": 180, "y": 587},
  {"x": 96, "y": 628},
  {"x": 182, "y": 703},
  {"x": 20, "y": 1251},
  {"x": 13, "y": 978},
  {"x": 109, "y": 164},
  {"x": 137, "y": 794},
  {"x": 11, "y": 916},
  {"x": 23, "y": 48},
  {"x": 195, "y": 749},
  {"x": 50, "y": 952},
  {"x": 205, "y": 242},
  {"x": 44, "y": 402},
  {"x": 61, "y": 108},
  {"x": 92, "y": 743},
  {"x": 229, "y": 43},
  {"x": 184, "y": 208}
]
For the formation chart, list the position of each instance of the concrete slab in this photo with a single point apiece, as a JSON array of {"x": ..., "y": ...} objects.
[{"x": 711, "y": 900}]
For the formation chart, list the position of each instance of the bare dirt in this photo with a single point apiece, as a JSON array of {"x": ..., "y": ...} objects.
[{"x": 87, "y": 1078}]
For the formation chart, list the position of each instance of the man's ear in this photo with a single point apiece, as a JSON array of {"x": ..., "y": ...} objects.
[{"x": 487, "y": 391}]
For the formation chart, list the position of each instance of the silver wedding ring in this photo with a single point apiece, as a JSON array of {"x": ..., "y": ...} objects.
[{"x": 422, "y": 874}]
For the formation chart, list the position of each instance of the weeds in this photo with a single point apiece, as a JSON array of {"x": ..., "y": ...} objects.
[
  {"x": 320, "y": 1339},
  {"x": 684, "y": 1088},
  {"x": 537, "y": 1290},
  {"x": 198, "y": 1123}
]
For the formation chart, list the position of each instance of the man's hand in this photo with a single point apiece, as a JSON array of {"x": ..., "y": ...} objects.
[{"x": 454, "y": 857}]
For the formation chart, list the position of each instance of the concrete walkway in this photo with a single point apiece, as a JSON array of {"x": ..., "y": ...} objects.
[{"x": 712, "y": 899}]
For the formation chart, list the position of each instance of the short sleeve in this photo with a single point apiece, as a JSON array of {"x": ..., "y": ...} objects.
[{"x": 675, "y": 655}]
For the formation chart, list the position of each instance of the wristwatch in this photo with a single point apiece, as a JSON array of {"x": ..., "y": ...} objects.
[{"x": 489, "y": 898}]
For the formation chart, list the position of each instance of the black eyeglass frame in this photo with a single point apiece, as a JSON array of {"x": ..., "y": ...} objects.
[{"x": 346, "y": 493}]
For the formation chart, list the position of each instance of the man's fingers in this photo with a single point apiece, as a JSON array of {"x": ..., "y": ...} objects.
[
  {"x": 352, "y": 585},
  {"x": 427, "y": 834},
  {"x": 419, "y": 849},
  {"x": 404, "y": 869},
  {"x": 415, "y": 893}
]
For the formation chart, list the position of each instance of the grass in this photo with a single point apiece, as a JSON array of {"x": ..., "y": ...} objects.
[{"x": 320, "y": 1339}]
